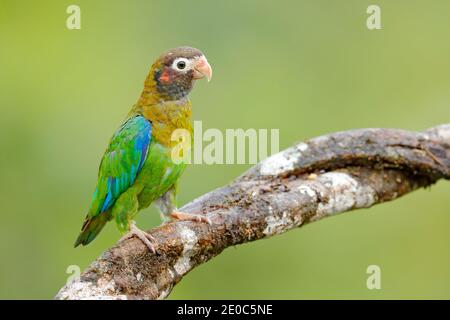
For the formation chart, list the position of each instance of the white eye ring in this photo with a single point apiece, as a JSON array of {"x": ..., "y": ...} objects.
[{"x": 181, "y": 64}]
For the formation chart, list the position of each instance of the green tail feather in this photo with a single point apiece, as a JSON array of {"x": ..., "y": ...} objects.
[{"x": 91, "y": 228}]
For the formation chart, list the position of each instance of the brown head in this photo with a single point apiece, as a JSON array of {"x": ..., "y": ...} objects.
[{"x": 172, "y": 75}]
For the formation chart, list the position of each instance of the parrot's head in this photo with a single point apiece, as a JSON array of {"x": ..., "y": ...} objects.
[{"x": 173, "y": 74}]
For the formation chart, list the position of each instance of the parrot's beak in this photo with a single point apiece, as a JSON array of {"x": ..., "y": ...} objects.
[{"x": 202, "y": 69}]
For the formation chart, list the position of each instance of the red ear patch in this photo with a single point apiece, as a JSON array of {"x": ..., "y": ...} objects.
[{"x": 165, "y": 77}]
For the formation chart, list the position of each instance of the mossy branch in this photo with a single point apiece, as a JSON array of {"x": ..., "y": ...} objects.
[{"x": 315, "y": 179}]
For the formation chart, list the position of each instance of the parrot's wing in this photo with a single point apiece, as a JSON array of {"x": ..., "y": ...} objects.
[{"x": 121, "y": 163}]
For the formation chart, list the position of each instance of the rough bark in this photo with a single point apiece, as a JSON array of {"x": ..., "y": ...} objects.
[{"x": 312, "y": 180}]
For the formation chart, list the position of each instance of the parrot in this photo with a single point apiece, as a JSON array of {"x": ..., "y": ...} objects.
[{"x": 138, "y": 168}]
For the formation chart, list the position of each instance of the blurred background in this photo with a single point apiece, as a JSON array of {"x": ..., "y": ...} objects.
[{"x": 305, "y": 67}]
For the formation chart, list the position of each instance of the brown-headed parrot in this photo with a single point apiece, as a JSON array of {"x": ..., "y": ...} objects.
[{"x": 138, "y": 167}]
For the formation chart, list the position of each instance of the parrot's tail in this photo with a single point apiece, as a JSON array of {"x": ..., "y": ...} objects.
[{"x": 91, "y": 228}]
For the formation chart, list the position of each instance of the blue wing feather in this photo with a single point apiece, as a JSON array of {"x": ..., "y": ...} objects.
[{"x": 121, "y": 163}]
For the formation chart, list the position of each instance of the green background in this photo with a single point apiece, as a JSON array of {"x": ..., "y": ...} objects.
[{"x": 305, "y": 67}]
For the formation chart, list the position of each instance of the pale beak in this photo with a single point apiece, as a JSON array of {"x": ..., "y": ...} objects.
[{"x": 202, "y": 69}]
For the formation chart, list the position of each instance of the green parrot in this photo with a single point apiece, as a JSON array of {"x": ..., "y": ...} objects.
[{"x": 138, "y": 167}]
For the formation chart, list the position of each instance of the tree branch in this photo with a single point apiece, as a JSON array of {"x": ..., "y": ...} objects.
[{"x": 315, "y": 179}]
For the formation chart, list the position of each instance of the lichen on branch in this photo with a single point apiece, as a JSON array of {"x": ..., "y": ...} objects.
[{"x": 318, "y": 178}]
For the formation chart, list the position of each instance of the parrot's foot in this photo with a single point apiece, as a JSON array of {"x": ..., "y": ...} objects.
[
  {"x": 190, "y": 217},
  {"x": 145, "y": 237}
]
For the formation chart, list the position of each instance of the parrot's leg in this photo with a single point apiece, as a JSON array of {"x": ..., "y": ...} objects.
[
  {"x": 145, "y": 237},
  {"x": 177, "y": 215},
  {"x": 124, "y": 210},
  {"x": 168, "y": 208},
  {"x": 166, "y": 204}
]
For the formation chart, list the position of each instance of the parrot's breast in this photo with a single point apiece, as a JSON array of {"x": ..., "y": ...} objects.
[
  {"x": 159, "y": 172},
  {"x": 168, "y": 117}
]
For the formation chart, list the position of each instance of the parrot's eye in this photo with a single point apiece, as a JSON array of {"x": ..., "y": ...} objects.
[{"x": 180, "y": 64}]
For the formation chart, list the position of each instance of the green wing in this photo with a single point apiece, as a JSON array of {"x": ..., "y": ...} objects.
[
  {"x": 121, "y": 163},
  {"x": 118, "y": 170}
]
